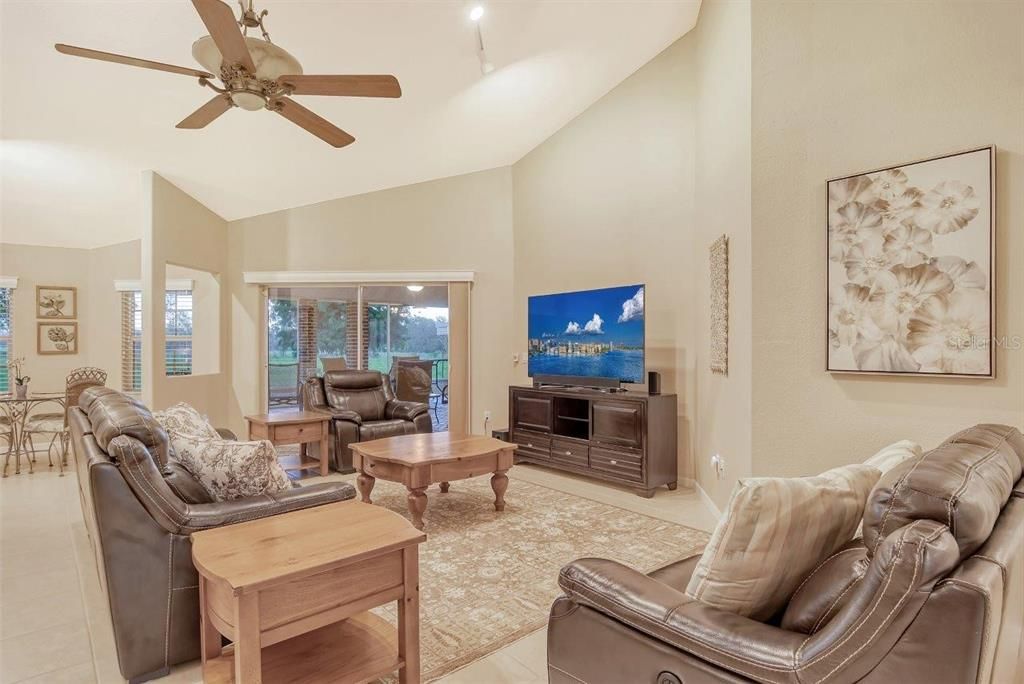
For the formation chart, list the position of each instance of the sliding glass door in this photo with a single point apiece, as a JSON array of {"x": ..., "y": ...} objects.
[{"x": 399, "y": 330}]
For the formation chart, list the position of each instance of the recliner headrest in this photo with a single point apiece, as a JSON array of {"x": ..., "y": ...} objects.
[
  {"x": 352, "y": 379},
  {"x": 963, "y": 484},
  {"x": 112, "y": 413}
]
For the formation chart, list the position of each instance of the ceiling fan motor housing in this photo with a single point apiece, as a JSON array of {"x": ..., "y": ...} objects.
[{"x": 249, "y": 91}]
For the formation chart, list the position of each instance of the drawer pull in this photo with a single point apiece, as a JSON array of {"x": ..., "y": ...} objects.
[
  {"x": 568, "y": 453},
  {"x": 530, "y": 444},
  {"x": 614, "y": 462}
]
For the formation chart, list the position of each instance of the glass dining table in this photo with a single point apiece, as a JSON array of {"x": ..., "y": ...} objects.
[{"x": 14, "y": 414}]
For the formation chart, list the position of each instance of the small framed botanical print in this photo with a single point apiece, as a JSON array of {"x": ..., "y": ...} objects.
[
  {"x": 57, "y": 338},
  {"x": 911, "y": 268},
  {"x": 56, "y": 302}
]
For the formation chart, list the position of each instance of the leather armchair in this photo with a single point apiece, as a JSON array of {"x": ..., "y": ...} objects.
[
  {"x": 362, "y": 406},
  {"x": 140, "y": 507},
  {"x": 934, "y": 592}
]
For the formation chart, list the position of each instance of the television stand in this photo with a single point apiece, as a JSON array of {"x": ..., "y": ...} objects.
[{"x": 628, "y": 438}]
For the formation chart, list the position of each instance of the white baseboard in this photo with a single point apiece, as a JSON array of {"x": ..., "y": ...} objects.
[{"x": 705, "y": 499}]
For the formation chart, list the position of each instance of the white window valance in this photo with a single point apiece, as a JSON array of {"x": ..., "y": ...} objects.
[
  {"x": 136, "y": 285},
  {"x": 8, "y": 282}
]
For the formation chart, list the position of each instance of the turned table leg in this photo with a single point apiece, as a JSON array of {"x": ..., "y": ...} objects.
[
  {"x": 417, "y": 499},
  {"x": 499, "y": 483},
  {"x": 444, "y": 487},
  {"x": 364, "y": 483}
]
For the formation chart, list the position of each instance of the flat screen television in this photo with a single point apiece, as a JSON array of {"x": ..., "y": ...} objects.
[{"x": 593, "y": 333}]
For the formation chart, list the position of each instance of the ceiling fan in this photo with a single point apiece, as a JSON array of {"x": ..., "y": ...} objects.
[{"x": 255, "y": 73}]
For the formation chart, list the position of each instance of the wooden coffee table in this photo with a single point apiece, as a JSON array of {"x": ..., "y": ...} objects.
[
  {"x": 293, "y": 593},
  {"x": 418, "y": 461},
  {"x": 294, "y": 427}
]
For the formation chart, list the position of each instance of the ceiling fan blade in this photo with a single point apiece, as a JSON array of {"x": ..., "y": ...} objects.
[
  {"x": 314, "y": 123},
  {"x": 220, "y": 22},
  {"x": 130, "y": 61},
  {"x": 382, "y": 85},
  {"x": 207, "y": 113}
]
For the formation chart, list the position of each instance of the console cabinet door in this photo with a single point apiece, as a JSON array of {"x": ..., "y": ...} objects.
[
  {"x": 533, "y": 412},
  {"x": 617, "y": 422}
]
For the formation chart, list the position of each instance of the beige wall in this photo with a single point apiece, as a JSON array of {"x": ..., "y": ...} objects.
[
  {"x": 459, "y": 223},
  {"x": 608, "y": 200},
  {"x": 179, "y": 231},
  {"x": 843, "y": 87},
  {"x": 722, "y": 201},
  {"x": 93, "y": 272}
]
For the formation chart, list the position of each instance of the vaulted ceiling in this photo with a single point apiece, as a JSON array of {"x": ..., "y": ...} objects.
[{"x": 76, "y": 133}]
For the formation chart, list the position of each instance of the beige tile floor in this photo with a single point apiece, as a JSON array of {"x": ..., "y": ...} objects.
[{"x": 54, "y": 624}]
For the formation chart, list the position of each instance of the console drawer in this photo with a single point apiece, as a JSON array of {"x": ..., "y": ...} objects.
[
  {"x": 571, "y": 453},
  {"x": 532, "y": 444},
  {"x": 619, "y": 463}
]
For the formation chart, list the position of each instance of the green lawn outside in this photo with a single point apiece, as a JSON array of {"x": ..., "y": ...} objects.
[{"x": 284, "y": 375}]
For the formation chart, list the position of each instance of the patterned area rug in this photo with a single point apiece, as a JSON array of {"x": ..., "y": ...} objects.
[{"x": 488, "y": 579}]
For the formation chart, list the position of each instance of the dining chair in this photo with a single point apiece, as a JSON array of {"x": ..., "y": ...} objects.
[
  {"x": 333, "y": 363},
  {"x": 56, "y": 424}
]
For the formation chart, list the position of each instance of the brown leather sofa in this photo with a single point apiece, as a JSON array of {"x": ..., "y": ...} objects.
[
  {"x": 934, "y": 592},
  {"x": 362, "y": 406},
  {"x": 140, "y": 508}
]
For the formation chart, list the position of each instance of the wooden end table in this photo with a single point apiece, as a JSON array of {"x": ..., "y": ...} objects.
[
  {"x": 294, "y": 427},
  {"x": 417, "y": 461},
  {"x": 293, "y": 595}
]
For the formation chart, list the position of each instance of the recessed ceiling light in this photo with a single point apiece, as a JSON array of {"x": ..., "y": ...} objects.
[
  {"x": 476, "y": 13},
  {"x": 414, "y": 288}
]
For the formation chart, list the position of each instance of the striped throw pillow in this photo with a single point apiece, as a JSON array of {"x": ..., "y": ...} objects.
[
  {"x": 891, "y": 456},
  {"x": 774, "y": 531}
]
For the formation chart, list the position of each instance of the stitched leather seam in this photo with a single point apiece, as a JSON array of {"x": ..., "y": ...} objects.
[
  {"x": 820, "y": 566},
  {"x": 892, "y": 501},
  {"x": 128, "y": 469},
  {"x": 575, "y": 607},
  {"x": 699, "y": 642},
  {"x": 860, "y": 623},
  {"x": 572, "y": 677},
  {"x": 985, "y": 637},
  {"x": 194, "y": 586},
  {"x": 967, "y": 478},
  {"x": 174, "y": 516},
  {"x": 1002, "y": 567},
  {"x": 821, "y": 618},
  {"x": 167, "y": 623},
  {"x": 885, "y": 620},
  {"x": 584, "y": 591}
]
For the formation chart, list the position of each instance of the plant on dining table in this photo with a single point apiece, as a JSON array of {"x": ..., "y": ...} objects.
[{"x": 15, "y": 365}]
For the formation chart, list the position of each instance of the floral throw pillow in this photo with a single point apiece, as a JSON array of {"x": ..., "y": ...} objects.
[
  {"x": 231, "y": 470},
  {"x": 182, "y": 419}
]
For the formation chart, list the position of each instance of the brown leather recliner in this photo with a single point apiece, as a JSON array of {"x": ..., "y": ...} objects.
[
  {"x": 934, "y": 592},
  {"x": 140, "y": 508},
  {"x": 362, "y": 406}
]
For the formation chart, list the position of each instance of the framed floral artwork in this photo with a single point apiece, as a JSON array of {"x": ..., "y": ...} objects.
[
  {"x": 56, "y": 302},
  {"x": 56, "y": 338},
  {"x": 911, "y": 268}
]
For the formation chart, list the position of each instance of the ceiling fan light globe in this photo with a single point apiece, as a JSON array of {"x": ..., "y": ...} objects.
[
  {"x": 248, "y": 101},
  {"x": 271, "y": 61}
]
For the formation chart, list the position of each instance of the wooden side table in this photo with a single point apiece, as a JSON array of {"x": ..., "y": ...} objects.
[
  {"x": 294, "y": 427},
  {"x": 293, "y": 594}
]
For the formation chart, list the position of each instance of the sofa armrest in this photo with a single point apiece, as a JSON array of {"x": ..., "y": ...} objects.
[
  {"x": 227, "y": 434},
  {"x": 206, "y": 516},
  {"x": 744, "y": 646},
  {"x": 405, "y": 410}
]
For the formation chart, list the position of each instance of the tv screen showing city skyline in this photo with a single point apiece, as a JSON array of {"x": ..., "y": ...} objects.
[{"x": 593, "y": 333}]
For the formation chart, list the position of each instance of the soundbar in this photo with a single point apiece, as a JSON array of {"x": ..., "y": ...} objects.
[{"x": 606, "y": 384}]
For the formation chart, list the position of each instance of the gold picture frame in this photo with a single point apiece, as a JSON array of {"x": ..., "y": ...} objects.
[
  {"x": 56, "y": 338},
  {"x": 52, "y": 302}
]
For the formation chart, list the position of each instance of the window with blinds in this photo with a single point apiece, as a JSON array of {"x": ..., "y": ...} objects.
[
  {"x": 131, "y": 341},
  {"x": 178, "y": 345},
  {"x": 178, "y": 342},
  {"x": 6, "y": 337}
]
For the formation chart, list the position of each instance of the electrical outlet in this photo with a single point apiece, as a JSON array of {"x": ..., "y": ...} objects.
[
  {"x": 487, "y": 415},
  {"x": 718, "y": 463}
]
